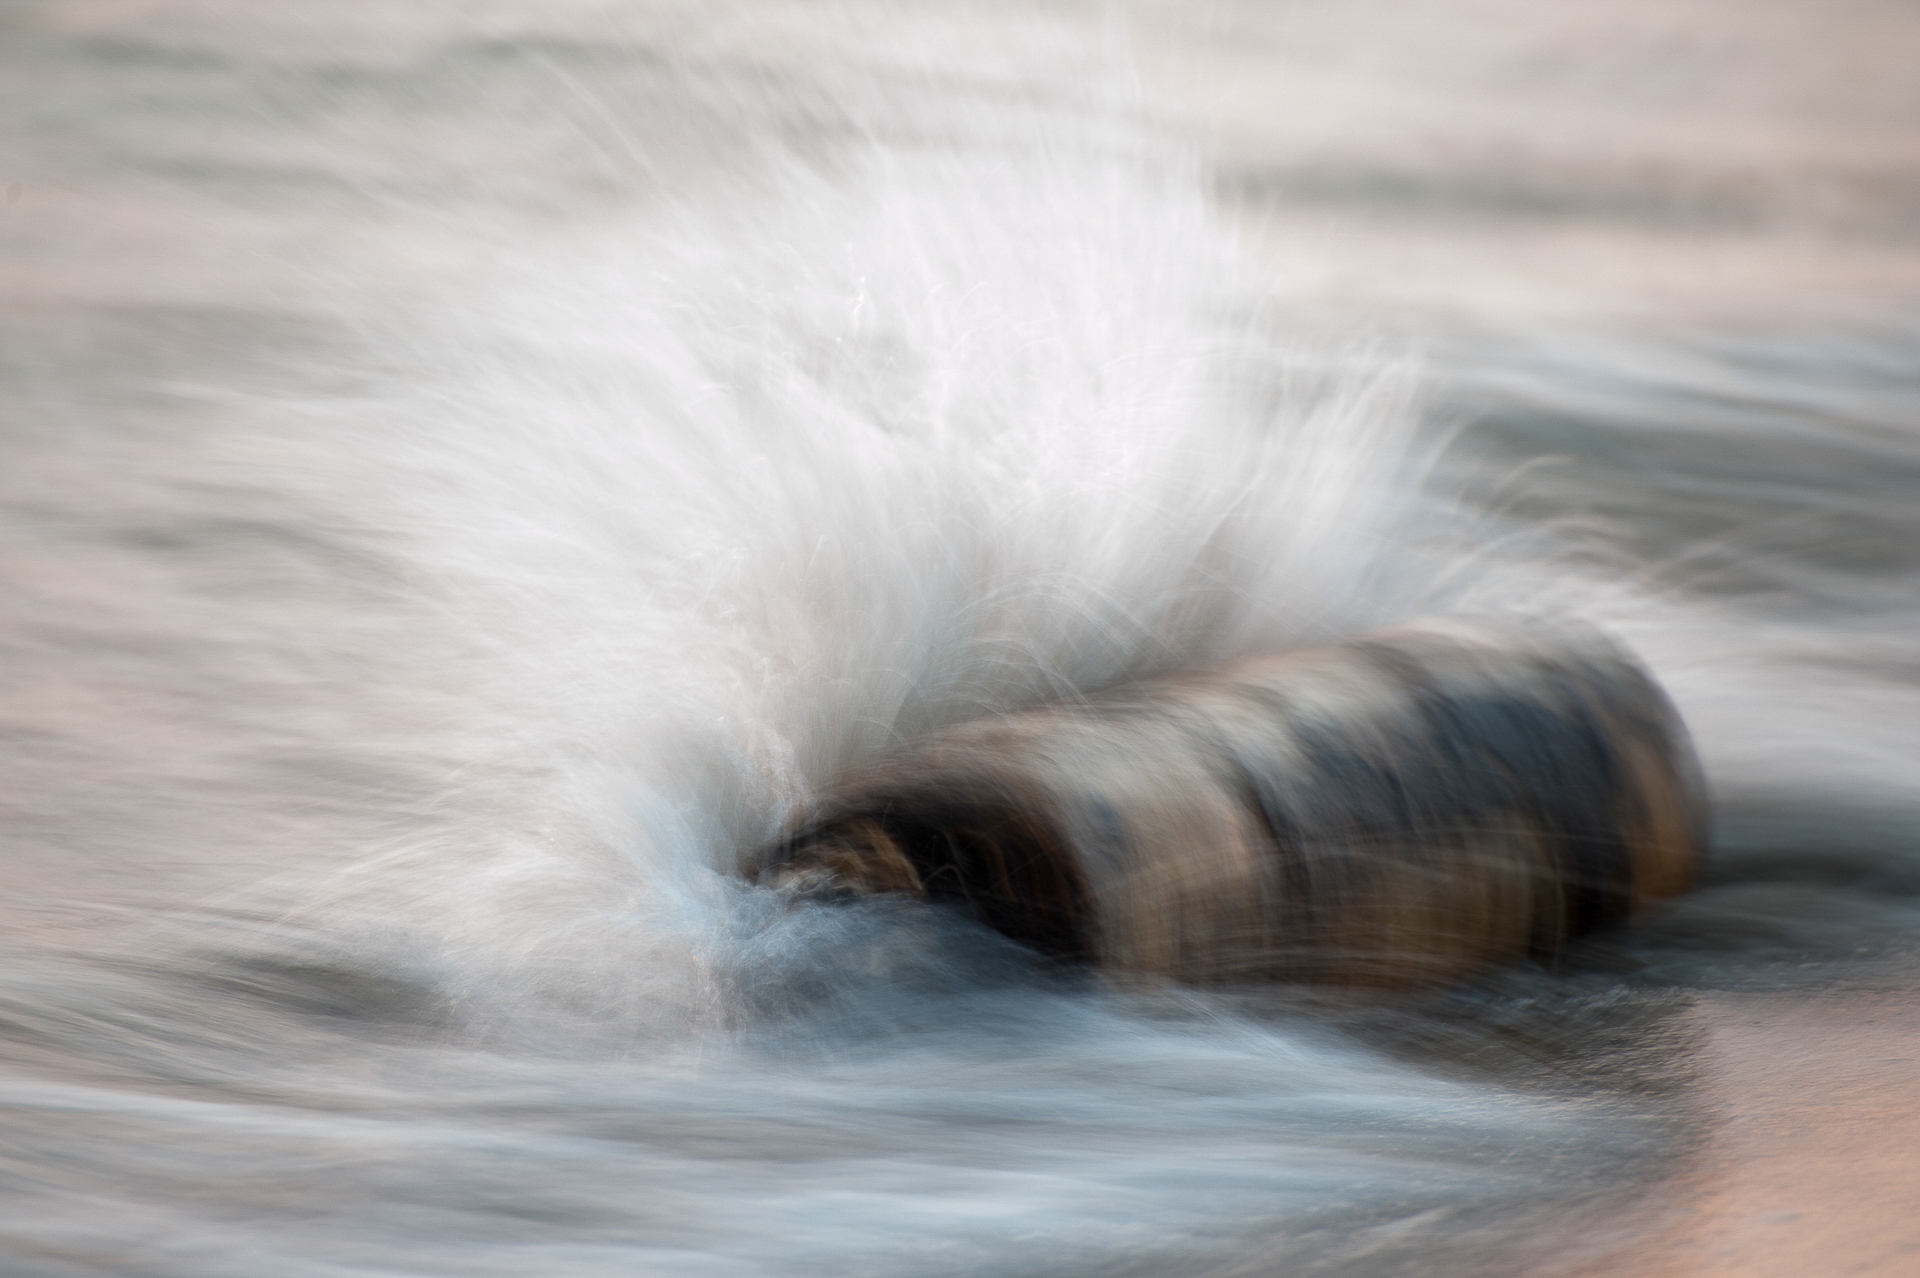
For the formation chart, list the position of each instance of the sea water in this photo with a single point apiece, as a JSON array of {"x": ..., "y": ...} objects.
[{"x": 473, "y": 472}]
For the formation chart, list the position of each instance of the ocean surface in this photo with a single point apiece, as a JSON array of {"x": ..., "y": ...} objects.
[{"x": 469, "y": 471}]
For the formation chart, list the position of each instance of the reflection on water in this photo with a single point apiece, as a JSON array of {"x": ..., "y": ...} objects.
[{"x": 472, "y": 474}]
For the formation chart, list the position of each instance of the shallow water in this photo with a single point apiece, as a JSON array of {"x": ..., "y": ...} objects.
[{"x": 473, "y": 471}]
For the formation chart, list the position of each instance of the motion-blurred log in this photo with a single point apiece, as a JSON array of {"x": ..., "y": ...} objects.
[{"x": 1394, "y": 810}]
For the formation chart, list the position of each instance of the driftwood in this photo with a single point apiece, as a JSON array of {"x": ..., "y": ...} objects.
[{"x": 1395, "y": 810}]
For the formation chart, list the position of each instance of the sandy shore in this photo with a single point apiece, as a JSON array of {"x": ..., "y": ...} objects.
[{"x": 1812, "y": 1165}]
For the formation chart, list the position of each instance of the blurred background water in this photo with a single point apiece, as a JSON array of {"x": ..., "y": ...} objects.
[{"x": 471, "y": 469}]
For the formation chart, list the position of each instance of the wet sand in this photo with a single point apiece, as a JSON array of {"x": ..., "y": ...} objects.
[{"x": 1811, "y": 1165}]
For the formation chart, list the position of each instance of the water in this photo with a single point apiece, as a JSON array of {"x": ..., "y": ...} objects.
[{"x": 472, "y": 472}]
